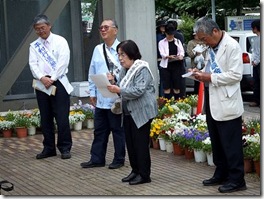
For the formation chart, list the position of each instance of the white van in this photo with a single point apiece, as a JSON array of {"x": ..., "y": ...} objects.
[{"x": 245, "y": 40}]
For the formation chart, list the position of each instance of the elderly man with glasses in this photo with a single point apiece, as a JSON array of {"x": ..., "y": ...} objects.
[{"x": 105, "y": 61}]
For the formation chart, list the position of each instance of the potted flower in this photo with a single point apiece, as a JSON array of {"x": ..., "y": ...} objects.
[
  {"x": 251, "y": 149},
  {"x": 34, "y": 120},
  {"x": 76, "y": 117},
  {"x": 251, "y": 126},
  {"x": 207, "y": 148},
  {"x": 168, "y": 110},
  {"x": 192, "y": 100},
  {"x": 184, "y": 107},
  {"x": 6, "y": 127},
  {"x": 21, "y": 124}
]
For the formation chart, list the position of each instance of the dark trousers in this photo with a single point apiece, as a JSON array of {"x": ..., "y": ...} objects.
[
  {"x": 137, "y": 142},
  {"x": 256, "y": 77},
  {"x": 226, "y": 139},
  {"x": 57, "y": 107},
  {"x": 104, "y": 123}
]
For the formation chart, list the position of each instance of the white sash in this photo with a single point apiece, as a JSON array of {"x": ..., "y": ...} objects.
[
  {"x": 45, "y": 54},
  {"x": 51, "y": 61},
  {"x": 117, "y": 65},
  {"x": 138, "y": 64}
]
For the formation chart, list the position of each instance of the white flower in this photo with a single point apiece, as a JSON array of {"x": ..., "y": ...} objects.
[
  {"x": 182, "y": 115},
  {"x": 5, "y": 125},
  {"x": 76, "y": 117},
  {"x": 207, "y": 140}
]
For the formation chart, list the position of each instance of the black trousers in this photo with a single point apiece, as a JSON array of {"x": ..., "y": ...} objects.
[
  {"x": 256, "y": 77},
  {"x": 57, "y": 107},
  {"x": 106, "y": 122},
  {"x": 137, "y": 142},
  {"x": 226, "y": 139}
]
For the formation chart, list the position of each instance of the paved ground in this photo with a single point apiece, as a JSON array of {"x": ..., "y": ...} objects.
[{"x": 171, "y": 175}]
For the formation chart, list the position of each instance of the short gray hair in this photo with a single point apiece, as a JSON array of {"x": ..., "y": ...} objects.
[
  {"x": 205, "y": 25},
  {"x": 41, "y": 19}
]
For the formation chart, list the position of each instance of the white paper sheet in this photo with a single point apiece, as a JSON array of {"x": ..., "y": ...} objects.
[
  {"x": 36, "y": 84},
  {"x": 190, "y": 75},
  {"x": 101, "y": 83}
]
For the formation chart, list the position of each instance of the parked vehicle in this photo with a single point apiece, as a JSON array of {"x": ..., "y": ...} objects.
[{"x": 245, "y": 40}]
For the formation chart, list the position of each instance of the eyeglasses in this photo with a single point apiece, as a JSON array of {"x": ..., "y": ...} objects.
[
  {"x": 105, "y": 27},
  {"x": 41, "y": 29}
]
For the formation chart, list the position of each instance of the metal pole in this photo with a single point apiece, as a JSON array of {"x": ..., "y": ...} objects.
[{"x": 213, "y": 9}]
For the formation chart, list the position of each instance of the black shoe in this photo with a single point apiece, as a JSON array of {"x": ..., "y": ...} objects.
[
  {"x": 139, "y": 180},
  {"x": 231, "y": 187},
  {"x": 66, "y": 155},
  {"x": 130, "y": 177},
  {"x": 213, "y": 181},
  {"x": 45, "y": 155},
  {"x": 115, "y": 165},
  {"x": 90, "y": 164}
]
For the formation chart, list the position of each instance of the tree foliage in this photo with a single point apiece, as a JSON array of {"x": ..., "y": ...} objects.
[
  {"x": 88, "y": 7},
  {"x": 200, "y": 8}
]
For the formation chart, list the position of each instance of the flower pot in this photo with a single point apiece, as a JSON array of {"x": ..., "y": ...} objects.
[
  {"x": 90, "y": 123},
  {"x": 189, "y": 154},
  {"x": 194, "y": 110},
  {"x": 77, "y": 126},
  {"x": 209, "y": 157},
  {"x": 162, "y": 144},
  {"x": 169, "y": 146},
  {"x": 248, "y": 165},
  {"x": 257, "y": 167},
  {"x": 7, "y": 133},
  {"x": 177, "y": 149},
  {"x": 21, "y": 132},
  {"x": 199, "y": 156},
  {"x": 155, "y": 143},
  {"x": 32, "y": 130}
]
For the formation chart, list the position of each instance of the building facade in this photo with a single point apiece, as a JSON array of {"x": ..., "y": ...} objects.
[{"x": 136, "y": 20}]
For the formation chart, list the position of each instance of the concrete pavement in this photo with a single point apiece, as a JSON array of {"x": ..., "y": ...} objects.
[{"x": 171, "y": 175}]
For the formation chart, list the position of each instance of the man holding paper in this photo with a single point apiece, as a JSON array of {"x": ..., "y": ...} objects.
[
  {"x": 105, "y": 61},
  {"x": 49, "y": 57},
  {"x": 223, "y": 104}
]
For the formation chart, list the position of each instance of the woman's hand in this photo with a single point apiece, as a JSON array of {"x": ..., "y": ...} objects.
[
  {"x": 111, "y": 78},
  {"x": 113, "y": 88}
]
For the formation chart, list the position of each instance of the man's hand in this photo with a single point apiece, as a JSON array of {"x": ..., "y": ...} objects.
[
  {"x": 93, "y": 101},
  {"x": 46, "y": 81}
]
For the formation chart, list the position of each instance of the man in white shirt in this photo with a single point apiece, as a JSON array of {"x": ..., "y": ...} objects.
[
  {"x": 255, "y": 25},
  {"x": 49, "y": 57}
]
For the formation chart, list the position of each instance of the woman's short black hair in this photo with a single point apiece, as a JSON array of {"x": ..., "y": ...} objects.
[{"x": 130, "y": 48}]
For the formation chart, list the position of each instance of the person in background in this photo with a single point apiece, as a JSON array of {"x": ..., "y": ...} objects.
[
  {"x": 177, "y": 33},
  {"x": 160, "y": 34},
  {"x": 192, "y": 54},
  {"x": 105, "y": 121},
  {"x": 49, "y": 58},
  {"x": 136, "y": 88},
  {"x": 223, "y": 104},
  {"x": 255, "y": 25},
  {"x": 172, "y": 68}
]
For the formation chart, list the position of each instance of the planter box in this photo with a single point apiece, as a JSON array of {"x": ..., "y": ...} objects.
[{"x": 80, "y": 89}]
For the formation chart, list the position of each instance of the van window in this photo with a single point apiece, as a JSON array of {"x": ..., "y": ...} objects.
[
  {"x": 250, "y": 41},
  {"x": 236, "y": 38}
]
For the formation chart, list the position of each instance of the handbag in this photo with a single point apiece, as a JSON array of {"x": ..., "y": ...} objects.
[{"x": 117, "y": 106}]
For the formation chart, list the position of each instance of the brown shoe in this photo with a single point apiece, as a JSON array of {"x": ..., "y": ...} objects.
[{"x": 253, "y": 104}]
